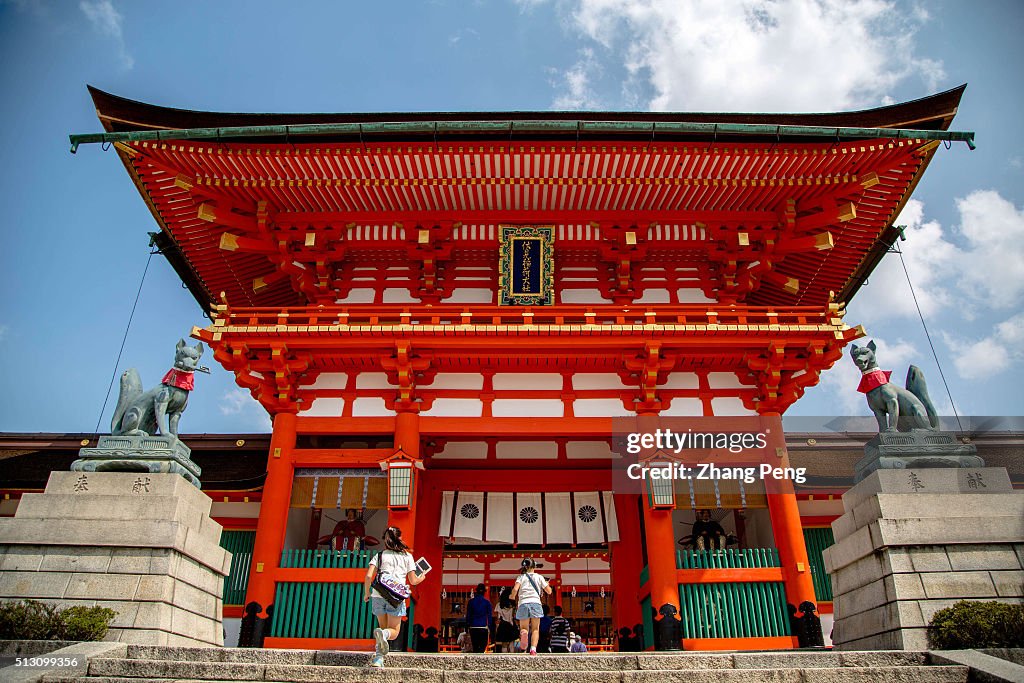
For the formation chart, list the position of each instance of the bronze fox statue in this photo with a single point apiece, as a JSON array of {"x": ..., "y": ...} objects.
[
  {"x": 895, "y": 408},
  {"x": 143, "y": 413}
]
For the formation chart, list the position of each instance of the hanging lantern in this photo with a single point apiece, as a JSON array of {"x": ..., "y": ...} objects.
[
  {"x": 661, "y": 492},
  {"x": 574, "y": 591},
  {"x": 401, "y": 479},
  {"x": 602, "y": 591},
  {"x": 444, "y": 593}
]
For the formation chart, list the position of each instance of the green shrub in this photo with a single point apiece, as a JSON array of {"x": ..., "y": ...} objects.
[
  {"x": 28, "y": 620},
  {"x": 85, "y": 623},
  {"x": 34, "y": 620},
  {"x": 970, "y": 625}
]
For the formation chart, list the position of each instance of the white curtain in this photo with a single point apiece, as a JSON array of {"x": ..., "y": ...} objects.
[
  {"x": 529, "y": 518},
  {"x": 552, "y": 518},
  {"x": 500, "y": 518}
]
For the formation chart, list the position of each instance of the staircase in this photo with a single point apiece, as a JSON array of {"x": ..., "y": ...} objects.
[{"x": 150, "y": 664}]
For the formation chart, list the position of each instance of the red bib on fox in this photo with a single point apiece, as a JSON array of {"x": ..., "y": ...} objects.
[
  {"x": 873, "y": 380},
  {"x": 180, "y": 378}
]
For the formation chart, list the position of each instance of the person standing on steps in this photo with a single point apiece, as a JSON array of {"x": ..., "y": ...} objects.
[
  {"x": 395, "y": 562},
  {"x": 527, "y": 590},
  {"x": 479, "y": 619},
  {"x": 559, "y": 631},
  {"x": 506, "y": 630}
]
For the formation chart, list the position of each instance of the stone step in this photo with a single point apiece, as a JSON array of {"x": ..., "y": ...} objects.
[
  {"x": 558, "y": 662},
  {"x": 322, "y": 674}
]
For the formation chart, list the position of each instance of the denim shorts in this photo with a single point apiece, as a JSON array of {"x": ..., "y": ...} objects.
[
  {"x": 380, "y": 606},
  {"x": 529, "y": 610}
]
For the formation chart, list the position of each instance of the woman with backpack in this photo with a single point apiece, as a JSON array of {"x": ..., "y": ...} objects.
[
  {"x": 392, "y": 566},
  {"x": 527, "y": 589}
]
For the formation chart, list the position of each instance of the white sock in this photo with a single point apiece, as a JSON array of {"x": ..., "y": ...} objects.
[{"x": 387, "y": 633}]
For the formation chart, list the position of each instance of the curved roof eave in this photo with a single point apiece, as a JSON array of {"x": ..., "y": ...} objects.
[{"x": 120, "y": 114}]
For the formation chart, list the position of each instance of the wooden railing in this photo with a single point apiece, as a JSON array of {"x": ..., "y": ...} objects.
[
  {"x": 326, "y": 559},
  {"x": 816, "y": 540},
  {"x": 239, "y": 544},
  {"x": 389, "y": 315},
  {"x": 732, "y": 558},
  {"x": 734, "y": 610}
]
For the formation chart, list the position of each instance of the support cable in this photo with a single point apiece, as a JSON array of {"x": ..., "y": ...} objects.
[
  {"x": 929, "y": 337},
  {"x": 124, "y": 339}
]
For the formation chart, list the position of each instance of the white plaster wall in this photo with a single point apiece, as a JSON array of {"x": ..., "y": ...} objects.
[
  {"x": 357, "y": 296},
  {"x": 597, "y": 380},
  {"x": 330, "y": 380},
  {"x": 820, "y": 508},
  {"x": 470, "y": 295},
  {"x": 297, "y": 530},
  {"x": 685, "y": 407},
  {"x": 583, "y": 450},
  {"x": 530, "y": 381},
  {"x": 654, "y": 296},
  {"x": 599, "y": 407},
  {"x": 455, "y": 407},
  {"x": 373, "y": 380},
  {"x": 535, "y": 450},
  {"x": 724, "y": 380},
  {"x": 538, "y": 407},
  {"x": 692, "y": 295},
  {"x": 370, "y": 407},
  {"x": 582, "y": 296},
  {"x": 463, "y": 450},
  {"x": 324, "y": 407},
  {"x": 682, "y": 380},
  {"x": 398, "y": 295},
  {"x": 730, "y": 407},
  {"x": 248, "y": 510},
  {"x": 457, "y": 380}
]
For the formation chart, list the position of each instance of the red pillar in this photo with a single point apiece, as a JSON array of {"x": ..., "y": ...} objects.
[
  {"x": 407, "y": 437},
  {"x": 661, "y": 556},
  {"x": 273, "y": 520},
  {"x": 431, "y": 546},
  {"x": 786, "y": 526},
  {"x": 626, "y": 564}
]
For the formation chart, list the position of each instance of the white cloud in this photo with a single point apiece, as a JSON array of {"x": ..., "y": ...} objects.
[
  {"x": 993, "y": 264},
  {"x": 575, "y": 84},
  {"x": 982, "y": 269},
  {"x": 235, "y": 401},
  {"x": 107, "y": 21},
  {"x": 842, "y": 380},
  {"x": 239, "y": 402},
  {"x": 787, "y": 55},
  {"x": 985, "y": 357}
]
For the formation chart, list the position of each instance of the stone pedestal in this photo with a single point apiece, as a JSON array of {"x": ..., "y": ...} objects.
[
  {"x": 142, "y": 544},
  {"x": 918, "y": 449},
  {"x": 142, "y": 453},
  {"x": 912, "y": 542}
]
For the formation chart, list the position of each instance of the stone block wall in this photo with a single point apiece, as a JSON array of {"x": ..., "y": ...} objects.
[
  {"x": 913, "y": 542},
  {"x": 142, "y": 544}
]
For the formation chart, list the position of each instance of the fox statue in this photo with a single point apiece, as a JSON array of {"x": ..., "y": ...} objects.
[
  {"x": 895, "y": 408},
  {"x": 144, "y": 413}
]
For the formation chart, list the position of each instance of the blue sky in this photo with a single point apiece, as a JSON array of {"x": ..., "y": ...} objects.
[{"x": 74, "y": 228}]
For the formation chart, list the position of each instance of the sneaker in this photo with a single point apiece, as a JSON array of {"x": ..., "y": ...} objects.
[
  {"x": 523, "y": 642},
  {"x": 382, "y": 643},
  {"x": 377, "y": 662},
  {"x": 533, "y": 652}
]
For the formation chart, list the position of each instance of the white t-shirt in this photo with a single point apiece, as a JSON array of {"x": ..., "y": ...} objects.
[
  {"x": 526, "y": 593},
  {"x": 507, "y": 614},
  {"x": 394, "y": 563}
]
